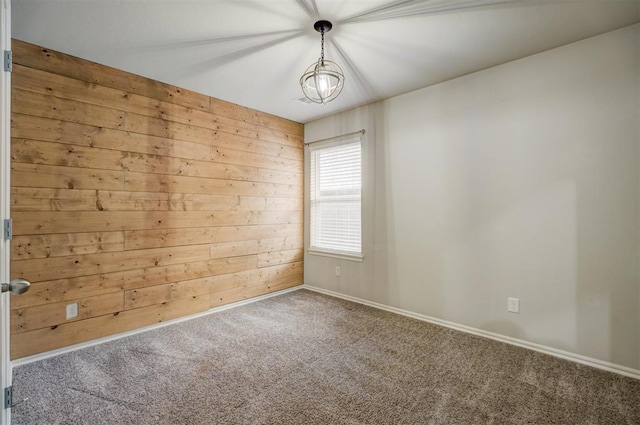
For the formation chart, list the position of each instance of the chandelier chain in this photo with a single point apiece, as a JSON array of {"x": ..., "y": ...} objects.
[{"x": 322, "y": 47}]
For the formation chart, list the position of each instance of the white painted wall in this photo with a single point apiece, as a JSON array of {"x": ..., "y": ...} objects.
[{"x": 520, "y": 180}]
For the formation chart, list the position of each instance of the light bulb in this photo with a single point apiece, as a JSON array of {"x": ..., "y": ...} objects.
[{"x": 324, "y": 86}]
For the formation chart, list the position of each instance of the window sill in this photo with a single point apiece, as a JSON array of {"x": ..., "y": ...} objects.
[{"x": 349, "y": 257}]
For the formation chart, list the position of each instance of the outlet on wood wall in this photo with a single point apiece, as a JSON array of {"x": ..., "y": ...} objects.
[{"x": 141, "y": 201}]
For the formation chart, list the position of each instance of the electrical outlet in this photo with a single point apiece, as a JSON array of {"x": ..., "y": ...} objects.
[
  {"x": 338, "y": 271},
  {"x": 72, "y": 310},
  {"x": 513, "y": 305}
]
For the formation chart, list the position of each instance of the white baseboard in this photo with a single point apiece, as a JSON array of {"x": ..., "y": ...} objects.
[
  {"x": 599, "y": 364},
  {"x": 57, "y": 352}
]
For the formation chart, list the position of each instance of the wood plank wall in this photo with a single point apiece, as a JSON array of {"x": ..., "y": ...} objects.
[{"x": 141, "y": 201}]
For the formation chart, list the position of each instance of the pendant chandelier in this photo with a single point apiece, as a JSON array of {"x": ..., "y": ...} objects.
[{"x": 323, "y": 80}]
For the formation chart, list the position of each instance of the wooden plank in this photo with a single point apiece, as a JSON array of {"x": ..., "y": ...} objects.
[
  {"x": 59, "y": 63},
  {"x": 264, "y": 139},
  {"x": 276, "y": 217},
  {"x": 228, "y": 296},
  {"x": 30, "y": 103},
  {"x": 175, "y": 273},
  {"x": 44, "y": 199},
  {"x": 39, "y": 200},
  {"x": 284, "y": 282},
  {"x": 37, "y": 81},
  {"x": 284, "y": 204},
  {"x": 276, "y": 284},
  {"x": 50, "y": 130},
  {"x": 142, "y": 297},
  {"x": 52, "y": 84},
  {"x": 37, "y": 57},
  {"x": 236, "y": 248},
  {"x": 39, "y": 223},
  {"x": 43, "y": 316},
  {"x": 242, "y": 113},
  {"x": 201, "y": 121},
  {"x": 160, "y": 128},
  {"x": 40, "y": 340},
  {"x": 277, "y": 176},
  {"x": 84, "y": 265},
  {"x": 140, "y": 182},
  {"x": 243, "y": 293},
  {"x": 58, "y": 245},
  {"x": 36, "y": 152},
  {"x": 47, "y": 176},
  {"x": 47, "y": 153},
  {"x": 38, "y": 128},
  {"x": 45, "y": 83},
  {"x": 67, "y": 289},
  {"x": 157, "y": 294},
  {"x": 184, "y": 167},
  {"x": 273, "y": 258},
  {"x": 233, "y": 280},
  {"x": 228, "y": 125},
  {"x": 272, "y": 278},
  {"x": 142, "y": 239},
  {"x": 247, "y": 144},
  {"x": 232, "y": 156},
  {"x": 266, "y": 276},
  {"x": 159, "y": 201},
  {"x": 205, "y": 132}
]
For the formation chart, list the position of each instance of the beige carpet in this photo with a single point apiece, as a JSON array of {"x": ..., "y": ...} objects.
[{"x": 305, "y": 358}]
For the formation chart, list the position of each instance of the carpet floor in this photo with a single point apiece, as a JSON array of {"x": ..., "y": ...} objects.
[{"x": 306, "y": 358}]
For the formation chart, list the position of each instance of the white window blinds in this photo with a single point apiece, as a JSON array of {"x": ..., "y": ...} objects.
[{"x": 336, "y": 179}]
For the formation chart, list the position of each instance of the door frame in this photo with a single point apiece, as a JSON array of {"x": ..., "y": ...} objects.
[{"x": 5, "y": 211}]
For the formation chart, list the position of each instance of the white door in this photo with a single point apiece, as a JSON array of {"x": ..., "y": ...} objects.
[
  {"x": 5, "y": 155},
  {"x": 5, "y": 127}
]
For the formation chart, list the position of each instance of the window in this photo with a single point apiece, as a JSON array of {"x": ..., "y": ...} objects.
[{"x": 335, "y": 185}]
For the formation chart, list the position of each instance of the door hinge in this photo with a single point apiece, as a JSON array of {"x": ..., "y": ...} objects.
[
  {"x": 8, "y": 61},
  {"x": 8, "y": 397},
  {"x": 8, "y": 229}
]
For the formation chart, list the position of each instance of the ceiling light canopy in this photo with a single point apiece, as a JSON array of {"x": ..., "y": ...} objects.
[{"x": 323, "y": 80}]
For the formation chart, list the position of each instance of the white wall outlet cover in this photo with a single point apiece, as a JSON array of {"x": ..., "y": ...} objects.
[
  {"x": 338, "y": 271},
  {"x": 72, "y": 310},
  {"x": 513, "y": 305}
]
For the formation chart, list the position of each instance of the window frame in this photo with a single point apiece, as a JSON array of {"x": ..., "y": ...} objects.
[{"x": 327, "y": 144}]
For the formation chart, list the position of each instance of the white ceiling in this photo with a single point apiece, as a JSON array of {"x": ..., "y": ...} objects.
[{"x": 252, "y": 52}]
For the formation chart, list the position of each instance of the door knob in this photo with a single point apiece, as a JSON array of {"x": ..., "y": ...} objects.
[{"x": 17, "y": 286}]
